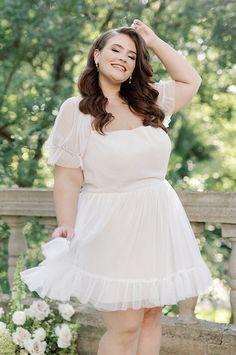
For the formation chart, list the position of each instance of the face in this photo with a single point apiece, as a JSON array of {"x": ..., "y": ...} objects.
[{"x": 117, "y": 59}]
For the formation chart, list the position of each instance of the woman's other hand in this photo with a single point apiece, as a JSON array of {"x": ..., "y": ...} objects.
[{"x": 63, "y": 232}]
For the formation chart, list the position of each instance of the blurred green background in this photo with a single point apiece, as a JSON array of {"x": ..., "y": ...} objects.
[{"x": 43, "y": 48}]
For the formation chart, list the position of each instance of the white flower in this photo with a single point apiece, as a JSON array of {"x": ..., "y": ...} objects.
[
  {"x": 66, "y": 311},
  {"x": 20, "y": 336},
  {"x": 35, "y": 346},
  {"x": 39, "y": 334},
  {"x": 39, "y": 310},
  {"x": 1, "y": 311},
  {"x": 29, "y": 312},
  {"x": 2, "y": 327},
  {"x": 64, "y": 336},
  {"x": 19, "y": 317}
]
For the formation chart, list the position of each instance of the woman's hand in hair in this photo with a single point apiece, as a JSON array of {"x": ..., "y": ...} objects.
[{"x": 145, "y": 32}]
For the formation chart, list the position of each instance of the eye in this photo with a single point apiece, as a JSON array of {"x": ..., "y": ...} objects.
[{"x": 115, "y": 50}]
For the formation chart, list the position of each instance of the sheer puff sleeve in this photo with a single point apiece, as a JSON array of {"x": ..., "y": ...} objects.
[
  {"x": 166, "y": 98},
  {"x": 63, "y": 143}
]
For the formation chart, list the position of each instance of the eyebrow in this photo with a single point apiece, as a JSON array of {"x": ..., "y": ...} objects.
[{"x": 116, "y": 44}]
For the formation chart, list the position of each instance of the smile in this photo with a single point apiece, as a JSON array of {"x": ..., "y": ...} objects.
[{"x": 118, "y": 66}]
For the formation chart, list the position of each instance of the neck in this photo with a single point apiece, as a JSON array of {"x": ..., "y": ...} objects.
[{"x": 110, "y": 90}]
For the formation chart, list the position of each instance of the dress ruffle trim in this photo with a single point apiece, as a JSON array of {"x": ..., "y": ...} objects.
[
  {"x": 63, "y": 156},
  {"x": 60, "y": 282}
]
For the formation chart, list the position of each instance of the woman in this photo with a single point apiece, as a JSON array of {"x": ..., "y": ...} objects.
[{"x": 127, "y": 248}]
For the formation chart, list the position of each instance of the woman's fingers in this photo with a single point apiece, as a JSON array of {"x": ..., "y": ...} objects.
[
  {"x": 70, "y": 233},
  {"x": 64, "y": 232},
  {"x": 58, "y": 232},
  {"x": 136, "y": 23},
  {"x": 144, "y": 31}
]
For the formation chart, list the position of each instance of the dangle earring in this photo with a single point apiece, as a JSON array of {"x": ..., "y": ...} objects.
[
  {"x": 97, "y": 65},
  {"x": 130, "y": 78}
]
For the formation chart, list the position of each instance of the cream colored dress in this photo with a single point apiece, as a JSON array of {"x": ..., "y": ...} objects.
[{"x": 133, "y": 245}]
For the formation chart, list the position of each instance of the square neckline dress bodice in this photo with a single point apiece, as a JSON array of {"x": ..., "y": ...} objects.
[{"x": 133, "y": 246}]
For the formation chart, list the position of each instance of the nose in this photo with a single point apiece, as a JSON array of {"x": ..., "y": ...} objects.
[{"x": 123, "y": 57}]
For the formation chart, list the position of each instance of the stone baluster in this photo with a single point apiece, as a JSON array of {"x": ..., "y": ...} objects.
[
  {"x": 186, "y": 310},
  {"x": 229, "y": 231},
  {"x": 17, "y": 243},
  {"x": 187, "y": 307},
  {"x": 198, "y": 227}
]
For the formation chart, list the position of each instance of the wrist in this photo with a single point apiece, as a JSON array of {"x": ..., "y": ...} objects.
[
  {"x": 65, "y": 225},
  {"x": 154, "y": 43}
]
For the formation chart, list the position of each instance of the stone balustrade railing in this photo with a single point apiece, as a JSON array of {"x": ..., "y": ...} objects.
[{"x": 17, "y": 205}]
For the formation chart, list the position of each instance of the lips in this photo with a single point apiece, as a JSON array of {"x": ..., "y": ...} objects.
[{"x": 119, "y": 66}]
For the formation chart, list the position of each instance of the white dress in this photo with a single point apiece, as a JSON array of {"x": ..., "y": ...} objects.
[{"x": 133, "y": 245}]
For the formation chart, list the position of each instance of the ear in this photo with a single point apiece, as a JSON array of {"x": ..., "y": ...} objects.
[{"x": 96, "y": 53}]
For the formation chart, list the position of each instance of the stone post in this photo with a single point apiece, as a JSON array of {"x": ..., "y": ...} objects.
[
  {"x": 187, "y": 307},
  {"x": 229, "y": 231},
  {"x": 17, "y": 243}
]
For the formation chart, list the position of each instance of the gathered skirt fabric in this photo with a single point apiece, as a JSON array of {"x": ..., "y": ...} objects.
[{"x": 131, "y": 249}]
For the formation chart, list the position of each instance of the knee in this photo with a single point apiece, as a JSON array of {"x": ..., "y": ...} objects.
[
  {"x": 130, "y": 329},
  {"x": 129, "y": 336},
  {"x": 124, "y": 322}
]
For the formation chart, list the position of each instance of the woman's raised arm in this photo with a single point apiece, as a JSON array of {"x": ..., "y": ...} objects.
[{"x": 186, "y": 77}]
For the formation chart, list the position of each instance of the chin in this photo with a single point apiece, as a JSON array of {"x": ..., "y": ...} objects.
[{"x": 117, "y": 80}]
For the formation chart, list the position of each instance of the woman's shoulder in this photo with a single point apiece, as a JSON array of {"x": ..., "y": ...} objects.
[
  {"x": 70, "y": 105},
  {"x": 70, "y": 101}
]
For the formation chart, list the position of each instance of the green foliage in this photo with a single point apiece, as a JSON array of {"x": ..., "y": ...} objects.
[
  {"x": 7, "y": 347},
  {"x": 17, "y": 295},
  {"x": 4, "y": 236},
  {"x": 215, "y": 315},
  {"x": 216, "y": 251},
  {"x": 35, "y": 234}
]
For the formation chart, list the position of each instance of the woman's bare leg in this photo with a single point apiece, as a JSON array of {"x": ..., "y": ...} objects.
[
  {"x": 123, "y": 330},
  {"x": 150, "y": 335}
]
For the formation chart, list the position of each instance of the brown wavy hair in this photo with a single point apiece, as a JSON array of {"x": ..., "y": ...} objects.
[{"x": 140, "y": 96}]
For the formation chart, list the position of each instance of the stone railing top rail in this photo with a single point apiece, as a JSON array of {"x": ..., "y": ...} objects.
[{"x": 200, "y": 206}]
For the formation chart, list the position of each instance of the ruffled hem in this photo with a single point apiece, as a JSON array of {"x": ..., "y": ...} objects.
[{"x": 110, "y": 294}]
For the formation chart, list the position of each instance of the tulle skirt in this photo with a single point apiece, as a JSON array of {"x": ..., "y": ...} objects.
[{"x": 131, "y": 249}]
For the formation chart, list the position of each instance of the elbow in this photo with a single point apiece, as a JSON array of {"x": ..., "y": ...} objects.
[
  {"x": 71, "y": 177},
  {"x": 197, "y": 82}
]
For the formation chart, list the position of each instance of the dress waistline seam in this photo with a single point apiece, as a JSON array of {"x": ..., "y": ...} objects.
[{"x": 130, "y": 189}]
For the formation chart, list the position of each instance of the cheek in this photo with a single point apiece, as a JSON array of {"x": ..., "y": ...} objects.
[
  {"x": 105, "y": 57},
  {"x": 132, "y": 66}
]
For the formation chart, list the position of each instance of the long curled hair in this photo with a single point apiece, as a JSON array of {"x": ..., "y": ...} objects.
[{"x": 140, "y": 96}]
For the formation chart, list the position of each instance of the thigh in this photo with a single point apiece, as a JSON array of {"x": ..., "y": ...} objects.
[{"x": 129, "y": 320}]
